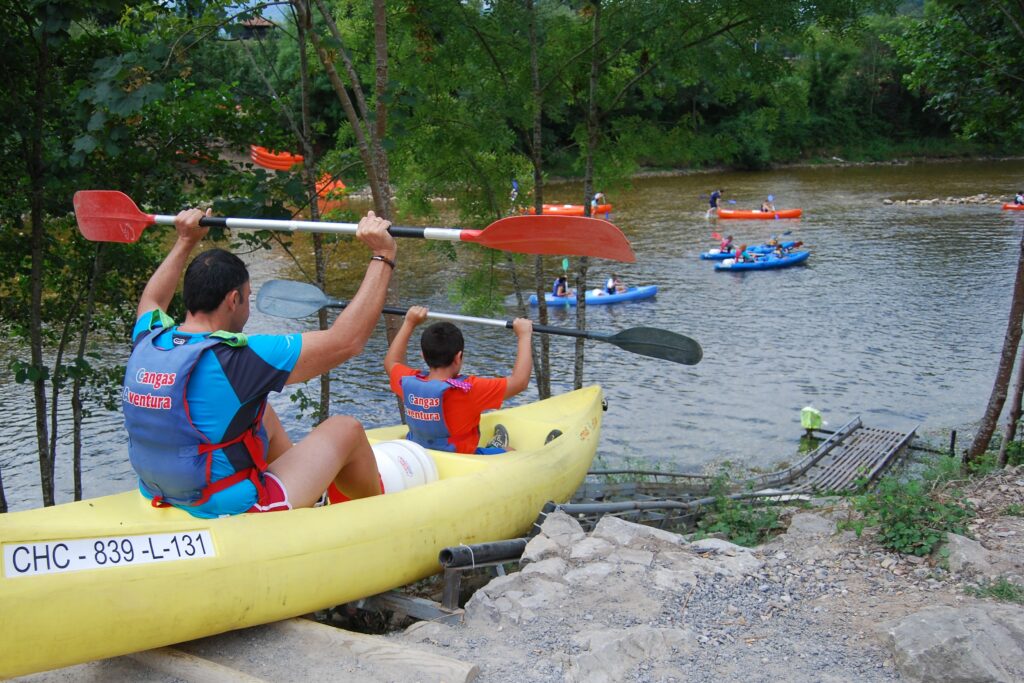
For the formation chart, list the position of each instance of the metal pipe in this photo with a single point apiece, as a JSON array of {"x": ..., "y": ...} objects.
[{"x": 460, "y": 556}]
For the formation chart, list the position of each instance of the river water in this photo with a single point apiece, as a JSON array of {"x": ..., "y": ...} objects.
[{"x": 898, "y": 317}]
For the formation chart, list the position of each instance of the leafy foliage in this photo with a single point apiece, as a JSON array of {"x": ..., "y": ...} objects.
[
  {"x": 969, "y": 57},
  {"x": 740, "y": 521},
  {"x": 911, "y": 516}
]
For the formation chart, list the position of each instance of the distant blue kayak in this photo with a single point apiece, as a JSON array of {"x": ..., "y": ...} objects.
[
  {"x": 718, "y": 255},
  {"x": 599, "y": 296},
  {"x": 767, "y": 262}
]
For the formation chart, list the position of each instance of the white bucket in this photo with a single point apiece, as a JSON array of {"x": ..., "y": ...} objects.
[{"x": 403, "y": 464}]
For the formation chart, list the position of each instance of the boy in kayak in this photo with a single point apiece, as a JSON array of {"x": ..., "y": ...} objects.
[
  {"x": 202, "y": 436},
  {"x": 767, "y": 206},
  {"x": 726, "y": 245},
  {"x": 613, "y": 285},
  {"x": 443, "y": 406}
]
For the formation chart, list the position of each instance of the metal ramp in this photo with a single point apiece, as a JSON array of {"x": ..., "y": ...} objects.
[
  {"x": 849, "y": 455},
  {"x": 852, "y": 455}
]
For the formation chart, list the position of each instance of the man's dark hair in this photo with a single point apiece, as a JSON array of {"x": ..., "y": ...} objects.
[
  {"x": 440, "y": 342},
  {"x": 209, "y": 278}
]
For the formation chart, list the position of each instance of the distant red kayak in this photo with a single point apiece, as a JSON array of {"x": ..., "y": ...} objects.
[
  {"x": 1013, "y": 207},
  {"x": 570, "y": 209},
  {"x": 762, "y": 215}
]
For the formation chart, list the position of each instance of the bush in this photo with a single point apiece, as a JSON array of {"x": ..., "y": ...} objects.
[
  {"x": 741, "y": 522},
  {"x": 911, "y": 517}
]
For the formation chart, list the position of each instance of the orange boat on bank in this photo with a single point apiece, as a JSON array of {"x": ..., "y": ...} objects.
[{"x": 570, "y": 210}]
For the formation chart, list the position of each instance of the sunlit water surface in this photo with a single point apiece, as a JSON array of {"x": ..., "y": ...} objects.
[{"x": 898, "y": 316}]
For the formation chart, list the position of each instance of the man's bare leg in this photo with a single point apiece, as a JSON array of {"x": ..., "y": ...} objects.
[{"x": 337, "y": 450}]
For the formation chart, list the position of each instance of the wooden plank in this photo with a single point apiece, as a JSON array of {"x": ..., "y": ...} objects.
[
  {"x": 417, "y": 608},
  {"x": 419, "y": 665},
  {"x": 186, "y": 667}
]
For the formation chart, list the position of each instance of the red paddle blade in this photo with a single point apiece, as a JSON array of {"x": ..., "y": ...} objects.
[
  {"x": 556, "y": 235},
  {"x": 109, "y": 216},
  {"x": 715, "y": 236}
]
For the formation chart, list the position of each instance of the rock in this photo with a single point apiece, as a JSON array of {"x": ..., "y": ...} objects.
[
  {"x": 540, "y": 547},
  {"x": 553, "y": 567},
  {"x": 979, "y": 643},
  {"x": 808, "y": 524},
  {"x": 608, "y": 656},
  {"x": 717, "y": 546},
  {"x": 620, "y": 532},
  {"x": 590, "y": 548},
  {"x": 967, "y": 556},
  {"x": 562, "y": 529}
]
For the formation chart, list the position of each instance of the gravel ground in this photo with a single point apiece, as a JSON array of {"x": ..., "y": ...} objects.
[{"x": 809, "y": 606}]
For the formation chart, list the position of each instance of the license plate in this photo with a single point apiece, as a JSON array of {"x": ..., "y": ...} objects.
[{"x": 57, "y": 557}]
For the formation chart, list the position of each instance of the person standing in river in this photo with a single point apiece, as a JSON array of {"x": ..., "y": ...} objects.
[
  {"x": 202, "y": 436},
  {"x": 713, "y": 201}
]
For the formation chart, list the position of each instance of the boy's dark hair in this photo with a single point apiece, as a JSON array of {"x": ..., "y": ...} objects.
[
  {"x": 440, "y": 342},
  {"x": 209, "y": 278}
]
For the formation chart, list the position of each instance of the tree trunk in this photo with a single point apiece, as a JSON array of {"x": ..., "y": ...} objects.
[
  {"x": 543, "y": 373},
  {"x": 1010, "y": 431},
  {"x": 583, "y": 265},
  {"x": 309, "y": 173},
  {"x": 1006, "y": 360},
  {"x": 36, "y": 172},
  {"x": 77, "y": 412}
]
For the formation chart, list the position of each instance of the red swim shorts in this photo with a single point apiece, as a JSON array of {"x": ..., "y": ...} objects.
[{"x": 276, "y": 498}]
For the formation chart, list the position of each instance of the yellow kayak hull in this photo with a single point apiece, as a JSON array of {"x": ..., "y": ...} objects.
[{"x": 69, "y": 594}]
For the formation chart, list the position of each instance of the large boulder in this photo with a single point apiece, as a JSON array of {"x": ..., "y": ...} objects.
[{"x": 982, "y": 643}]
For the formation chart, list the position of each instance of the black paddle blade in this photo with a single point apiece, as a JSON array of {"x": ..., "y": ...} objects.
[
  {"x": 658, "y": 343},
  {"x": 290, "y": 299}
]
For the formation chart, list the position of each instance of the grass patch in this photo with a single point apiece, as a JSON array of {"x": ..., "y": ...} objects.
[
  {"x": 1001, "y": 590},
  {"x": 741, "y": 521},
  {"x": 1013, "y": 510}
]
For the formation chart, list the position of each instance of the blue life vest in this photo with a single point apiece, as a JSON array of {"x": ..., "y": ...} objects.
[
  {"x": 171, "y": 456},
  {"x": 424, "y": 413}
]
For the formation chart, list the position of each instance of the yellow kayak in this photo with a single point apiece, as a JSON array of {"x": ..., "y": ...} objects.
[{"x": 113, "y": 575}]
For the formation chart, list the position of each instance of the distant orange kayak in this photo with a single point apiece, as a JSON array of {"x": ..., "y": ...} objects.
[
  {"x": 1006, "y": 207},
  {"x": 570, "y": 209},
  {"x": 762, "y": 215}
]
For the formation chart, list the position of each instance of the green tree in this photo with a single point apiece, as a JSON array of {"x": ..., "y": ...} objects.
[{"x": 969, "y": 57}]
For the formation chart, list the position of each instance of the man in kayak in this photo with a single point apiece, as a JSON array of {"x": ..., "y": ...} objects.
[
  {"x": 713, "y": 201},
  {"x": 442, "y": 406},
  {"x": 1019, "y": 199},
  {"x": 202, "y": 436},
  {"x": 595, "y": 202},
  {"x": 767, "y": 206}
]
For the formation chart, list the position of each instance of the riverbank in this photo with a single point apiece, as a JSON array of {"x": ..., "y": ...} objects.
[{"x": 817, "y": 603}]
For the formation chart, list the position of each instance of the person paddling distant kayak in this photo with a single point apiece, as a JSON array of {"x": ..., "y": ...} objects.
[
  {"x": 767, "y": 205},
  {"x": 202, "y": 436},
  {"x": 443, "y": 406},
  {"x": 561, "y": 287},
  {"x": 1019, "y": 199}
]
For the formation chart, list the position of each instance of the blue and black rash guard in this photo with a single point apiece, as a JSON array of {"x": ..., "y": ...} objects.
[{"x": 226, "y": 390}]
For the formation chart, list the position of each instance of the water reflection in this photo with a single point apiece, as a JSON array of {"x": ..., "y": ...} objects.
[{"x": 898, "y": 316}]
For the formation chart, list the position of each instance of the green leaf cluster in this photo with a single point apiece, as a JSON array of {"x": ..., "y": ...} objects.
[{"x": 913, "y": 517}]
